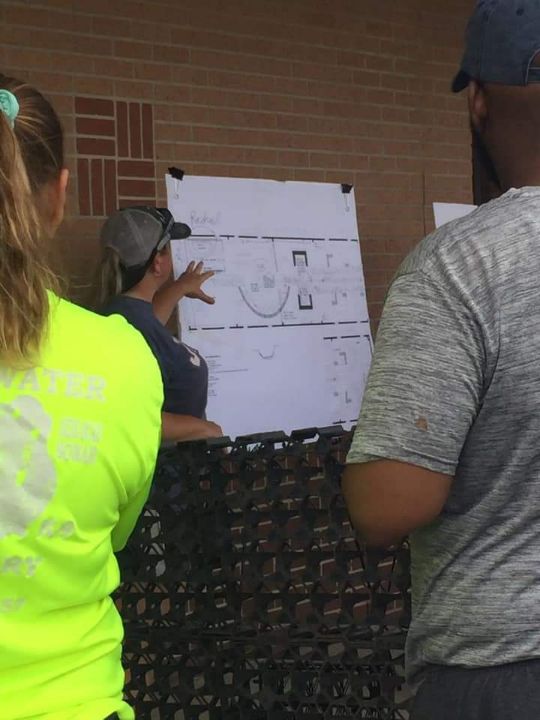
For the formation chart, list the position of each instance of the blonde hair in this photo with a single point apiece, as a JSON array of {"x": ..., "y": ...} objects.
[
  {"x": 109, "y": 281},
  {"x": 113, "y": 279},
  {"x": 31, "y": 155}
]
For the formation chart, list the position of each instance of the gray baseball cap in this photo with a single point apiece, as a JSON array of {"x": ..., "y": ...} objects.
[
  {"x": 503, "y": 38},
  {"x": 138, "y": 233}
]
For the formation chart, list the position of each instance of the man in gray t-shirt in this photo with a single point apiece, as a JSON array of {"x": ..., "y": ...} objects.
[{"x": 447, "y": 447}]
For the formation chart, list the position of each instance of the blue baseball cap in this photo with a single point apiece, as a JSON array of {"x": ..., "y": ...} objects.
[{"x": 503, "y": 39}]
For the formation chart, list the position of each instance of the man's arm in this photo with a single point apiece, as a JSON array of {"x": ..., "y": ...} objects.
[
  {"x": 422, "y": 397},
  {"x": 387, "y": 499}
]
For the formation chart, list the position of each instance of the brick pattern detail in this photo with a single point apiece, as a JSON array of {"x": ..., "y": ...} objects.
[
  {"x": 115, "y": 147},
  {"x": 350, "y": 91}
]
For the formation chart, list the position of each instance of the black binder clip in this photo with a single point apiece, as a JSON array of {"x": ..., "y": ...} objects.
[{"x": 176, "y": 173}]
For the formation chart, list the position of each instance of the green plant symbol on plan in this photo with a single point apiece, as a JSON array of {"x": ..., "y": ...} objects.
[{"x": 27, "y": 473}]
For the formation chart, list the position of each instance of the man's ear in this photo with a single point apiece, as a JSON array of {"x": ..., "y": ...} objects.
[{"x": 478, "y": 106}]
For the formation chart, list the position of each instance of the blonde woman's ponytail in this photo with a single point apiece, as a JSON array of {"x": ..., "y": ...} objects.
[
  {"x": 109, "y": 278},
  {"x": 31, "y": 154}
]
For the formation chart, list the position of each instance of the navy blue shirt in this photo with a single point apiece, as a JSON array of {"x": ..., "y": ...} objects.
[{"x": 184, "y": 371}]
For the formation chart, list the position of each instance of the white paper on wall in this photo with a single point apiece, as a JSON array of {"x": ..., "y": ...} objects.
[
  {"x": 446, "y": 212},
  {"x": 288, "y": 341}
]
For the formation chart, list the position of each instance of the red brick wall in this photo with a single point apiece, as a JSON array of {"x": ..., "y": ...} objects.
[
  {"x": 352, "y": 91},
  {"x": 115, "y": 148}
]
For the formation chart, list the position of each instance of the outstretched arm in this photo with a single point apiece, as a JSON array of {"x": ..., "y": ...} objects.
[{"x": 189, "y": 284}]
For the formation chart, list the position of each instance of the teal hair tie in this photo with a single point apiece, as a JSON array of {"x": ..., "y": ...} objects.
[{"x": 9, "y": 105}]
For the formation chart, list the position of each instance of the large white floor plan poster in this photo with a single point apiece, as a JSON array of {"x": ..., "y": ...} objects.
[{"x": 288, "y": 342}]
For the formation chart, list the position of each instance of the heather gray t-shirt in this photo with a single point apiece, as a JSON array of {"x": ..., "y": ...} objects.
[{"x": 455, "y": 388}]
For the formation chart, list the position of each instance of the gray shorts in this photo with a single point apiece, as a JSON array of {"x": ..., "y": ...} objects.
[{"x": 504, "y": 692}]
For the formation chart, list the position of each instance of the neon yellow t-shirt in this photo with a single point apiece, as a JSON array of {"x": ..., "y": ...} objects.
[{"x": 79, "y": 436}]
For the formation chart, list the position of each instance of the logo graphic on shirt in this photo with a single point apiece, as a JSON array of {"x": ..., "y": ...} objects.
[
  {"x": 27, "y": 473},
  {"x": 194, "y": 357}
]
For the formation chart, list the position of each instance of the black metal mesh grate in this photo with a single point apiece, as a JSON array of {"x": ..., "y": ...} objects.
[{"x": 246, "y": 594}]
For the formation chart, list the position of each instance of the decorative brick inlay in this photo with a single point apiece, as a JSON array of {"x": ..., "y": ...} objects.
[{"x": 116, "y": 164}]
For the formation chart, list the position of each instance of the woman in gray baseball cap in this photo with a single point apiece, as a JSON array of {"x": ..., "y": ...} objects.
[{"x": 134, "y": 274}]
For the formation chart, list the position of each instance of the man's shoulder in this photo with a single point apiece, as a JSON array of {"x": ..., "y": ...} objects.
[
  {"x": 451, "y": 240},
  {"x": 482, "y": 241}
]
